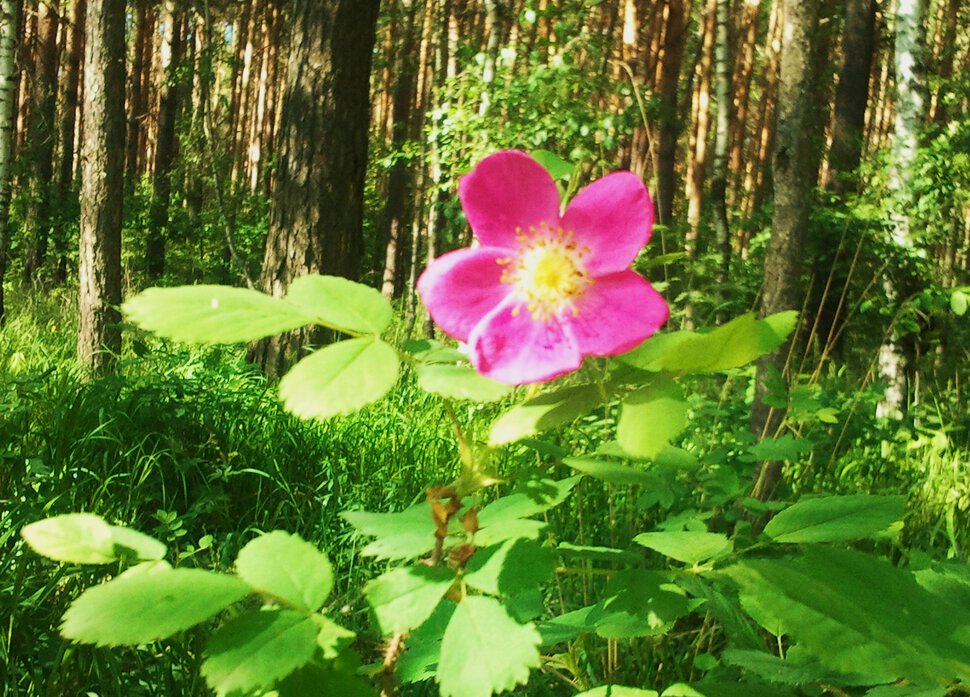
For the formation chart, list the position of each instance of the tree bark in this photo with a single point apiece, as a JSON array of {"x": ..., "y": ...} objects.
[
  {"x": 137, "y": 103},
  {"x": 722, "y": 137},
  {"x": 40, "y": 140},
  {"x": 166, "y": 139},
  {"x": 317, "y": 206},
  {"x": 675, "y": 36},
  {"x": 851, "y": 96},
  {"x": 9, "y": 80},
  {"x": 794, "y": 177},
  {"x": 102, "y": 185},
  {"x": 74, "y": 36}
]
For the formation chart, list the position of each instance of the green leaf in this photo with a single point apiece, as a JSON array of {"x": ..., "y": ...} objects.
[
  {"x": 958, "y": 303},
  {"x": 254, "y": 650},
  {"x": 213, "y": 314},
  {"x": 84, "y": 538},
  {"x": 637, "y": 603},
  {"x": 836, "y": 518},
  {"x": 505, "y": 518},
  {"x": 460, "y": 382},
  {"x": 340, "y": 378},
  {"x": 332, "y": 639},
  {"x": 557, "y": 167},
  {"x": 314, "y": 679},
  {"x": 510, "y": 569},
  {"x": 732, "y": 345},
  {"x": 485, "y": 651},
  {"x": 403, "y": 535},
  {"x": 612, "y": 472},
  {"x": 650, "y": 416},
  {"x": 687, "y": 546},
  {"x": 286, "y": 567},
  {"x": 592, "y": 553},
  {"x": 786, "y": 447},
  {"x": 342, "y": 304},
  {"x": 545, "y": 411},
  {"x": 148, "y": 602},
  {"x": 404, "y": 598},
  {"x": 618, "y": 691},
  {"x": 852, "y": 611},
  {"x": 423, "y": 647}
]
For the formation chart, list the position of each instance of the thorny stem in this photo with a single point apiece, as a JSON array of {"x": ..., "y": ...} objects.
[{"x": 391, "y": 653}]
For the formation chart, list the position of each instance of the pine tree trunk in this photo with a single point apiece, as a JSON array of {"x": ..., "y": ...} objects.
[
  {"x": 166, "y": 139},
  {"x": 673, "y": 55},
  {"x": 9, "y": 80},
  {"x": 136, "y": 89},
  {"x": 794, "y": 177},
  {"x": 69, "y": 101},
  {"x": 851, "y": 96},
  {"x": 317, "y": 207},
  {"x": 40, "y": 140},
  {"x": 722, "y": 137},
  {"x": 102, "y": 185}
]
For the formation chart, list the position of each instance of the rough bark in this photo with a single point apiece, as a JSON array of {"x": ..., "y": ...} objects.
[
  {"x": 722, "y": 137},
  {"x": 102, "y": 185},
  {"x": 137, "y": 104},
  {"x": 9, "y": 79},
  {"x": 794, "y": 177},
  {"x": 317, "y": 206},
  {"x": 40, "y": 140}
]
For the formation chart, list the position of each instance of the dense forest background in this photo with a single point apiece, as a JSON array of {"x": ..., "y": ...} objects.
[{"x": 802, "y": 154}]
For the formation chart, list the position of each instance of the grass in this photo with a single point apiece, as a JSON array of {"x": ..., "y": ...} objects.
[{"x": 191, "y": 445}]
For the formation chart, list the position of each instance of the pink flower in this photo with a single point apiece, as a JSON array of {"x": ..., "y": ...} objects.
[{"x": 543, "y": 290}]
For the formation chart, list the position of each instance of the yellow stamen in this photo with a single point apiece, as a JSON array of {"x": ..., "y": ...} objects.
[{"x": 548, "y": 272}]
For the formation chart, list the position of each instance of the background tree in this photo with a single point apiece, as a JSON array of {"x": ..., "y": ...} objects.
[
  {"x": 316, "y": 223},
  {"x": 9, "y": 30},
  {"x": 102, "y": 185}
]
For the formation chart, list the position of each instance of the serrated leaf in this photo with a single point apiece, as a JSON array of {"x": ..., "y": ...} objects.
[
  {"x": 460, "y": 382},
  {"x": 737, "y": 343},
  {"x": 612, "y": 472},
  {"x": 650, "y": 417},
  {"x": 332, "y": 639},
  {"x": 404, "y": 598},
  {"x": 84, "y": 538},
  {"x": 485, "y": 651},
  {"x": 340, "y": 378},
  {"x": 404, "y": 535},
  {"x": 593, "y": 553},
  {"x": 785, "y": 447},
  {"x": 420, "y": 658},
  {"x": 850, "y": 610},
  {"x": 286, "y": 567},
  {"x": 637, "y": 603},
  {"x": 686, "y": 546},
  {"x": 618, "y": 691},
  {"x": 545, "y": 411},
  {"x": 532, "y": 497},
  {"x": 256, "y": 649},
  {"x": 509, "y": 569},
  {"x": 835, "y": 518},
  {"x": 148, "y": 602},
  {"x": 208, "y": 314},
  {"x": 341, "y": 303}
]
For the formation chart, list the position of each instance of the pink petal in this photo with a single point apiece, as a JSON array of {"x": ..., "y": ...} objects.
[
  {"x": 506, "y": 191},
  {"x": 616, "y": 314},
  {"x": 510, "y": 346},
  {"x": 461, "y": 287},
  {"x": 613, "y": 216}
]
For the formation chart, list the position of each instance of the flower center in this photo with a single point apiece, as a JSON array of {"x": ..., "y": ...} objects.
[{"x": 548, "y": 272}]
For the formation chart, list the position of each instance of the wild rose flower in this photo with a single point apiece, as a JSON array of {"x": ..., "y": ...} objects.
[{"x": 543, "y": 290}]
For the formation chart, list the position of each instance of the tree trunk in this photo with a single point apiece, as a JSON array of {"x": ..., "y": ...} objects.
[
  {"x": 40, "y": 140},
  {"x": 675, "y": 35},
  {"x": 794, "y": 178},
  {"x": 9, "y": 79},
  {"x": 166, "y": 139},
  {"x": 722, "y": 137},
  {"x": 69, "y": 100},
  {"x": 317, "y": 207},
  {"x": 137, "y": 89},
  {"x": 102, "y": 185},
  {"x": 851, "y": 96}
]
